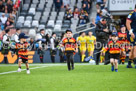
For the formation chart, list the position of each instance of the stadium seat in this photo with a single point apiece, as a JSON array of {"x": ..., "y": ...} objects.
[
  {"x": 41, "y": 27},
  {"x": 31, "y": 11},
  {"x": 27, "y": 23},
  {"x": 66, "y": 21},
  {"x": 33, "y": 6},
  {"x": 57, "y": 27},
  {"x": 60, "y": 18},
  {"x": 52, "y": 18},
  {"x": 32, "y": 33},
  {"x": 29, "y": 18},
  {"x": 37, "y": 16},
  {"x": 35, "y": 1},
  {"x": 35, "y": 23},
  {"x": 43, "y": 20},
  {"x": 50, "y": 23},
  {"x": 46, "y": 13},
  {"x": 40, "y": 7},
  {"x": 23, "y": 13},
  {"x": 19, "y": 25},
  {"x": 25, "y": 7},
  {"x": 21, "y": 19},
  {"x": 59, "y": 22},
  {"x": 65, "y": 26}
]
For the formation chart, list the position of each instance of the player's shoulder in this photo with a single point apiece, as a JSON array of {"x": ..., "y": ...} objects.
[
  {"x": 110, "y": 42},
  {"x": 73, "y": 39},
  {"x": 93, "y": 36},
  {"x": 131, "y": 14},
  {"x": 64, "y": 39}
]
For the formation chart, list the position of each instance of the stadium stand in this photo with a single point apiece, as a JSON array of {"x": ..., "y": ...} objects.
[{"x": 37, "y": 14}]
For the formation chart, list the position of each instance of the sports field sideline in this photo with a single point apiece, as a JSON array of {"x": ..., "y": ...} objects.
[{"x": 56, "y": 77}]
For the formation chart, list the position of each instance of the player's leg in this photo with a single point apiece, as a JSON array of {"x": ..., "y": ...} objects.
[
  {"x": 83, "y": 50},
  {"x": 68, "y": 62},
  {"x": 19, "y": 65},
  {"x": 27, "y": 68},
  {"x": 41, "y": 58},
  {"x": 72, "y": 61},
  {"x": 135, "y": 56},
  {"x": 116, "y": 65},
  {"x": 131, "y": 56},
  {"x": 112, "y": 64}
]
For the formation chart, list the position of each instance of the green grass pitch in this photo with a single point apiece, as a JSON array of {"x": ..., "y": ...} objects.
[{"x": 58, "y": 78}]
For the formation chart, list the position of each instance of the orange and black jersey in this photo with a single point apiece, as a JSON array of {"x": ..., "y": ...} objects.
[
  {"x": 22, "y": 50},
  {"x": 122, "y": 36},
  {"x": 114, "y": 47},
  {"x": 69, "y": 44}
]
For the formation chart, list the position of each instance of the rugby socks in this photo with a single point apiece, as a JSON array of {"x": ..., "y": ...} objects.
[
  {"x": 112, "y": 68},
  {"x": 27, "y": 68},
  {"x": 19, "y": 67},
  {"x": 129, "y": 62},
  {"x": 83, "y": 56},
  {"x": 123, "y": 61},
  {"x": 135, "y": 62}
]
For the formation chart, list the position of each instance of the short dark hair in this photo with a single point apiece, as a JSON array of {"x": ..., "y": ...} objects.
[
  {"x": 41, "y": 30},
  {"x": 53, "y": 33},
  {"x": 7, "y": 30},
  {"x": 68, "y": 30},
  {"x": 17, "y": 29}
]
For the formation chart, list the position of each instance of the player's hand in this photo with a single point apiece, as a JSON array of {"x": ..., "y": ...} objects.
[
  {"x": 76, "y": 50},
  {"x": 105, "y": 30},
  {"x": 124, "y": 53},
  {"x": 132, "y": 35}
]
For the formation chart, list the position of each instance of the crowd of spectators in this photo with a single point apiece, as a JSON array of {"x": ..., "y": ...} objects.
[
  {"x": 77, "y": 13},
  {"x": 8, "y": 11},
  {"x": 102, "y": 10}
]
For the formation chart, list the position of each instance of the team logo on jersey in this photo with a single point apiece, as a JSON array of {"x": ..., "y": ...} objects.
[{"x": 129, "y": 16}]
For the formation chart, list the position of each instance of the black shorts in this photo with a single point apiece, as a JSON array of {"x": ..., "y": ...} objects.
[
  {"x": 24, "y": 60},
  {"x": 115, "y": 56}
]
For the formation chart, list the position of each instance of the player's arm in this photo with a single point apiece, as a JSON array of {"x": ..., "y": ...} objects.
[{"x": 128, "y": 24}]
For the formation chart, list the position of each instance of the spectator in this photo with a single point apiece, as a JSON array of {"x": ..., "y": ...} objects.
[
  {"x": 11, "y": 19},
  {"x": 76, "y": 13},
  {"x": 105, "y": 12},
  {"x": 58, "y": 5},
  {"x": 86, "y": 6},
  {"x": 4, "y": 2},
  {"x": 83, "y": 17},
  {"x": 14, "y": 13},
  {"x": 10, "y": 6},
  {"x": 1, "y": 7},
  {"x": 6, "y": 13},
  {"x": 3, "y": 19},
  {"x": 16, "y": 6},
  {"x": 99, "y": 16},
  {"x": 98, "y": 5},
  {"x": 68, "y": 14},
  {"x": 8, "y": 25},
  {"x": 32, "y": 44}
]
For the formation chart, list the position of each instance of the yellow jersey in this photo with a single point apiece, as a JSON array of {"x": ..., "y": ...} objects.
[
  {"x": 90, "y": 40},
  {"x": 82, "y": 41}
]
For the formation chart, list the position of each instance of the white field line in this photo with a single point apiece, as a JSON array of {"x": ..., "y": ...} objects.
[
  {"x": 57, "y": 64},
  {"x": 21, "y": 70}
]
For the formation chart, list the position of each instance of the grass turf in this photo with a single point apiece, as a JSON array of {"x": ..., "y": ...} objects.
[{"x": 58, "y": 78}]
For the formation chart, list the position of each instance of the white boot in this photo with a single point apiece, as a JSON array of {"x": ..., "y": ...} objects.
[{"x": 28, "y": 71}]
